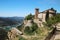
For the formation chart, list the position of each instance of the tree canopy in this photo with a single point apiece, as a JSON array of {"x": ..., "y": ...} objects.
[
  {"x": 30, "y": 30},
  {"x": 53, "y": 20},
  {"x": 29, "y": 17}
]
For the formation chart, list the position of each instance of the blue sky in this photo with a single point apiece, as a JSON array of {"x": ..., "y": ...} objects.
[{"x": 21, "y": 8}]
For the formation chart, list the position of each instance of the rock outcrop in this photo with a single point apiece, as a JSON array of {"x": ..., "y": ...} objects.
[{"x": 13, "y": 33}]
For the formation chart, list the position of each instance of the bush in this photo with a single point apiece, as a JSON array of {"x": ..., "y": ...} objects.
[
  {"x": 29, "y": 17},
  {"x": 34, "y": 26},
  {"x": 28, "y": 30},
  {"x": 53, "y": 20},
  {"x": 31, "y": 30}
]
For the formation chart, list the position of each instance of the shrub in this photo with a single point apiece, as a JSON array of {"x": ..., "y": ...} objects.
[
  {"x": 34, "y": 26},
  {"x": 29, "y": 17},
  {"x": 31, "y": 30},
  {"x": 28, "y": 30}
]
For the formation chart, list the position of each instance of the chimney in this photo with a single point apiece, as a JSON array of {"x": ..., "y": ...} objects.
[{"x": 36, "y": 12}]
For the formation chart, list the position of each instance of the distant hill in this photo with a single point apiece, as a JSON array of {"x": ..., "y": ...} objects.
[{"x": 6, "y": 21}]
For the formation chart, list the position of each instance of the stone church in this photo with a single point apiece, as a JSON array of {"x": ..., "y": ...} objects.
[{"x": 43, "y": 16}]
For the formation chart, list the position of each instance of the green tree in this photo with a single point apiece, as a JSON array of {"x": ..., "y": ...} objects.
[
  {"x": 34, "y": 26},
  {"x": 30, "y": 30},
  {"x": 29, "y": 17}
]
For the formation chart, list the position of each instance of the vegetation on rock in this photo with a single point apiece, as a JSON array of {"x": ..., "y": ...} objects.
[
  {"x": 53, "y": 20},
  {"x": 29, "y": 17},
  {"x": 30, "y": 30}
]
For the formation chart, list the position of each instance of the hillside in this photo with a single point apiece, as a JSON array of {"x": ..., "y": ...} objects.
[
  {"x": 35, "y": 29},
  {"x": 32, "y": 30}
]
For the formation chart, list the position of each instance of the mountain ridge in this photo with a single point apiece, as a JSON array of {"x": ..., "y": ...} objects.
[{"x": 4, "y": 21}]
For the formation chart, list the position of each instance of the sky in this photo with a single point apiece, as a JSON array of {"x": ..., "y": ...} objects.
[{"x": 21, "y": 8}]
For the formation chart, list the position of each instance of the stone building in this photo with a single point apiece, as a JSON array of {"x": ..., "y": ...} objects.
[{"x": 43, "y": 16}]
